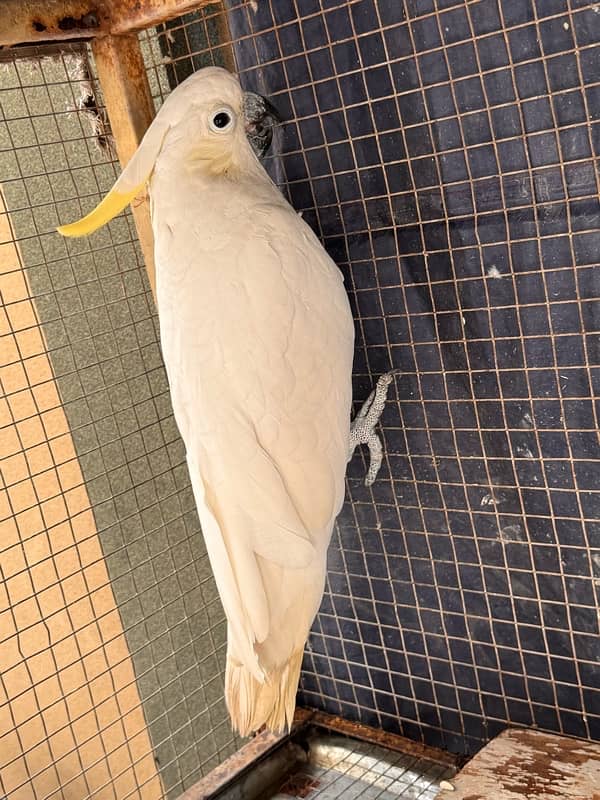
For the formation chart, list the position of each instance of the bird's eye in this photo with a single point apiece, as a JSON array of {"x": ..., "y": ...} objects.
[{"x": 221, "y": 120}]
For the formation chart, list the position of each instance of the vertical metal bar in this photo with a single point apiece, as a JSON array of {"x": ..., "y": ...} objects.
[{"x": 130, "y": 109}]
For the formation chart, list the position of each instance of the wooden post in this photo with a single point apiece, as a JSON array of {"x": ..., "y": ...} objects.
[{"x": 130, "y": 109}]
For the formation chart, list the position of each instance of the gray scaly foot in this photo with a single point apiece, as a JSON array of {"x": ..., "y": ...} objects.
[{"x": 362, "y": 429}]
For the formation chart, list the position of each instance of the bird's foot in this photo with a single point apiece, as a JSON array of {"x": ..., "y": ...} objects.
[{"x": 362, "y": 429}]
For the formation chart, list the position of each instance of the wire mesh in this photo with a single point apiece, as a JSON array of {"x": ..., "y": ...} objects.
[
  {"x": 112, "y": 639},
  {"x": 175, "y": 49},
  {"x": 340, "y": 767},
  {"x": 444, "y": 151}
]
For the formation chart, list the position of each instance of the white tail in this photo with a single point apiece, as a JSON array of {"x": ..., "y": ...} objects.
[{"x": 252, "y": 704}]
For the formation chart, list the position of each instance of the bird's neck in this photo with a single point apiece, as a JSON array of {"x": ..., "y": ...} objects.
[
  {"x": 208, "y": 158},
  {"x": 202, "y": 175}
]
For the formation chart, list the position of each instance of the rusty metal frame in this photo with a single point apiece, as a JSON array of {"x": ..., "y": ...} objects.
[
  {"x": 130, "y": 109},
  {"x": 127, "y": 17},
  {"x": 37, "y": 22},
  {"x": 390, "y": 741},
  {"x": 247, "y": 757},
  {"x": 264, "y": 744}
]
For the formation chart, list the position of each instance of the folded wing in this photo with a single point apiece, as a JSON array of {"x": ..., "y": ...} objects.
[{"x": 258, "y": 342}]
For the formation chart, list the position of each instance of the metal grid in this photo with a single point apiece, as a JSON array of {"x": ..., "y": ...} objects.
[
  {"x": 179, "y": 47},
  {"x": 340, "y": 767},
  {"x": 101, "y": 548},
  {"x": 444, "y": 151}
]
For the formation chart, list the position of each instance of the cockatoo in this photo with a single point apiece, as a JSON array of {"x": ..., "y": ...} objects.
[{"x": 257, "y": 338}]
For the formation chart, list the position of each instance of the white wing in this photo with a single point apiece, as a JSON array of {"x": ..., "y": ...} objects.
[{"x": 257, "y": 337}]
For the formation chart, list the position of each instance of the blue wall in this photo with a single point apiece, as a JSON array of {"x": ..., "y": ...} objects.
[{"x": 443, "y": 151}]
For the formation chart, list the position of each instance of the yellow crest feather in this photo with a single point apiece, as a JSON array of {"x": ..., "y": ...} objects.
[{"x": 109, "y": 207}]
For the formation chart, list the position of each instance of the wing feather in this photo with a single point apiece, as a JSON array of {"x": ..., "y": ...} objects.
[{"x": 258, "y": 343}]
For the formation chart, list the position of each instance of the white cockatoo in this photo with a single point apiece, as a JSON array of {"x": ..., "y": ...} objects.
[{"x": 257, "y": 338}]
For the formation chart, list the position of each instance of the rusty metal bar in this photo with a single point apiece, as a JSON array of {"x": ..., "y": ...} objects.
[
  {"x": 130, "y": 109},
  {"x": 27, "y": 22},
  {"x": 264, "y": 743},
  {"x": 32, "y": 22},
  {"x": 74, "y": 47},
  {"x": 247, "y": 757},
  {"x": 127, "y": 17},
  {"x": 376, "y": 736}
]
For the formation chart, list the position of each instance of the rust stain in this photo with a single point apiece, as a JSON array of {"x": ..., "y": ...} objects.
[
  {"x": 545, "y": 769},
  {"x": 529, "y": 764},
  {"x": 299, "y": 785},
  {"x": 86, "y": 21},
  {"x": 390, "y": 740},
  {"x": 31, "y": 21},
  {"x": 127, "y": 16},
  {"x": 233, "y": 767},
  {"x": 72, "y": 18}
]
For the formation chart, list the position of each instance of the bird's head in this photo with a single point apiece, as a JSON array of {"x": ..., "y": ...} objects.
[{"x": 207, "y": 120}]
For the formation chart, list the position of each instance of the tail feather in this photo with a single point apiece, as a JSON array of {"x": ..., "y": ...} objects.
[{"x": 252, "y": 704}]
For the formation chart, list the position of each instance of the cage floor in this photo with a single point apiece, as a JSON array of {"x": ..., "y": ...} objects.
[{"x": 340, "y": 767}]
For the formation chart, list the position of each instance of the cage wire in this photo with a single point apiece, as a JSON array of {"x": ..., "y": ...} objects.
[
  {"x": 175, "y": 49},
  {"x": 345, "y": 768},
  {"x": 113, "y": 638},
  {"x": 443, "y": 151}
]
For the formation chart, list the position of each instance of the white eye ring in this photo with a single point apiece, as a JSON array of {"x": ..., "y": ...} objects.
[{"x": 221, "y": 120}]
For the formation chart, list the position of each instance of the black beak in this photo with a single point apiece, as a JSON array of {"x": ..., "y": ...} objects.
[{"x": 260, "y": 116}]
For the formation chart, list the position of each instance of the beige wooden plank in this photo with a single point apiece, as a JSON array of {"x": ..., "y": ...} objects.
[{"x": 529, "y": 765}]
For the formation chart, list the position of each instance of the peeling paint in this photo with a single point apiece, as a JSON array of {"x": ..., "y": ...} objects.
[{"x": 529, "y": 765}]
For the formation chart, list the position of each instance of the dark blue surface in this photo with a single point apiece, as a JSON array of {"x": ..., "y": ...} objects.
[{"x": 446, "y": 161}]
